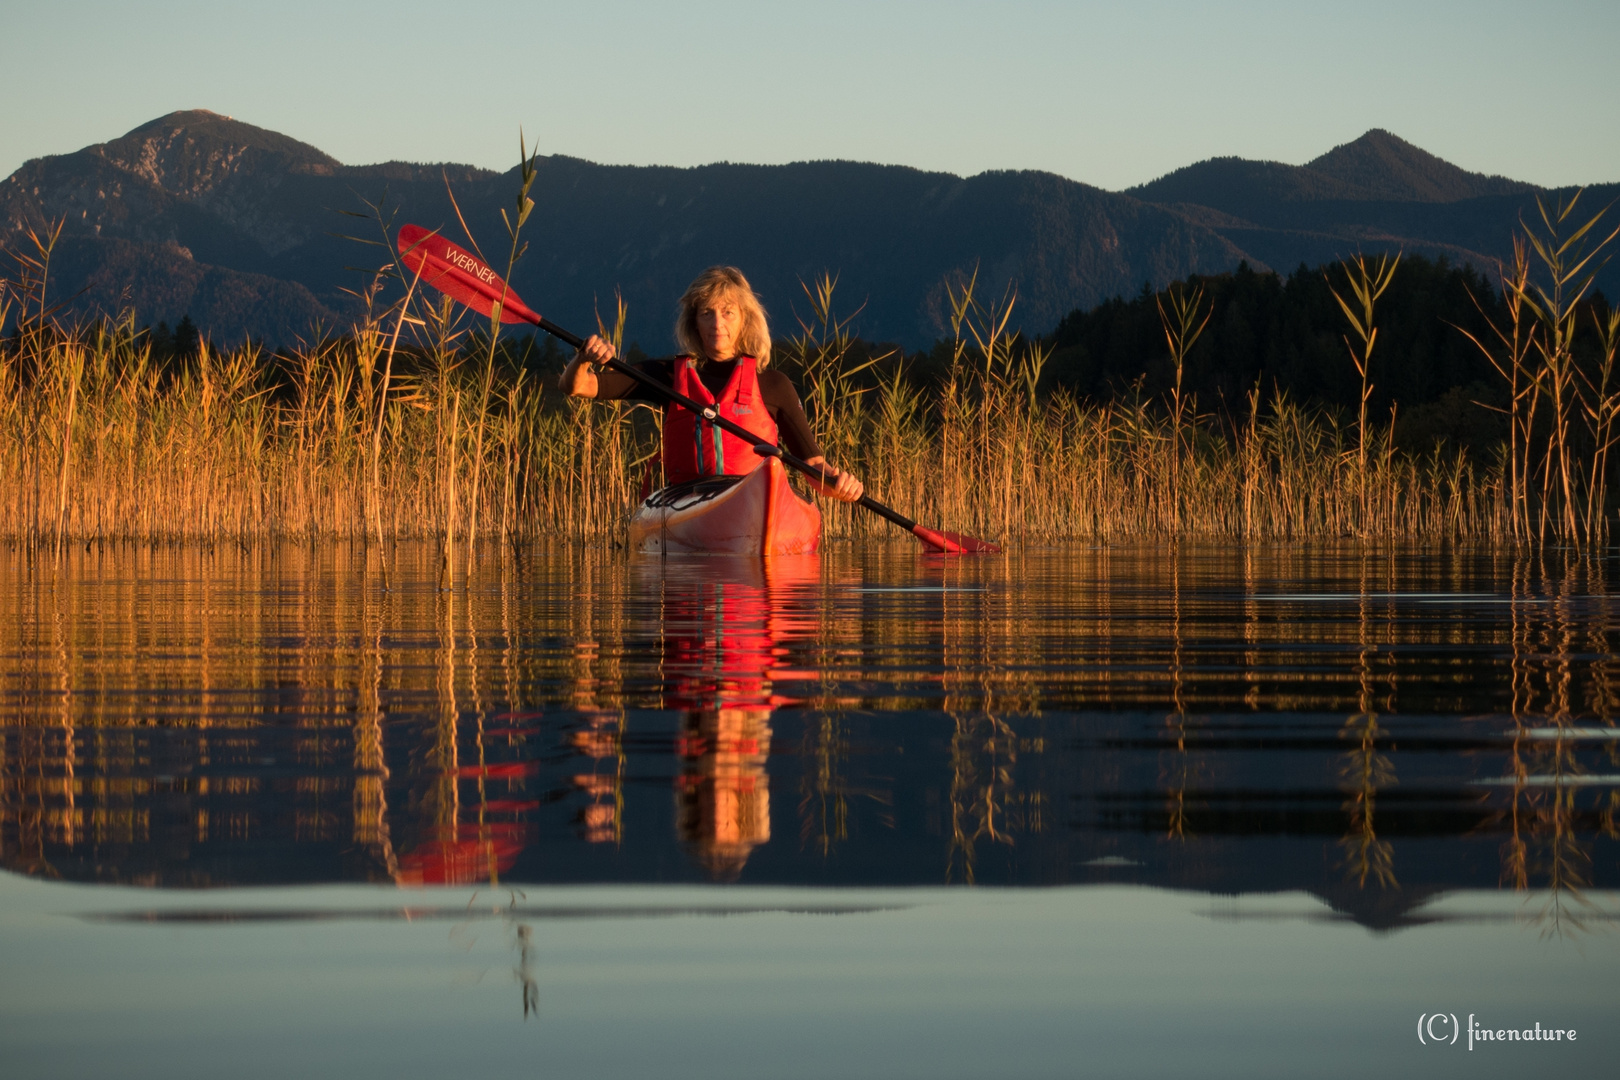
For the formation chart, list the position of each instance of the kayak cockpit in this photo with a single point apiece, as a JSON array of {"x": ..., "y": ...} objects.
[
  {"x": 756, "y": 514},
  {"x": 691, "y": 493}
]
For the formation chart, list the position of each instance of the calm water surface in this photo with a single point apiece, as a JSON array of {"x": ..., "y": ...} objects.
[{"x": 1127, "y": 811}]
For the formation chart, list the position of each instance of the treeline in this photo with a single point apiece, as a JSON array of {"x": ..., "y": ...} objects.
[
  {"x": 1288, "y": 333},
  {"x": 175, "y": 346}
]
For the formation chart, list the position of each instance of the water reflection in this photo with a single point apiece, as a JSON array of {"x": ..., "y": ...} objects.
[
  {"x": 1376, "y": 725},
  {"x": 1365, "y": 770},
  {"x": 726, "y": 625}
]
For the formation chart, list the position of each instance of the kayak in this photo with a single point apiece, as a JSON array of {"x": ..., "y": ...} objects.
[{"x": 756, "y": 514}]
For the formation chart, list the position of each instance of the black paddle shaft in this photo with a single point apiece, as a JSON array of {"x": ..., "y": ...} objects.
[{"x": 708, "y": 412}]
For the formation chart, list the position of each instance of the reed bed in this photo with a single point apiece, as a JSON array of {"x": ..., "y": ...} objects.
[
  {"x": 409, "y": 426},
  {"x": 422, "y": 422},
  {"x": 990, "y": 455},
  {"x": 1564, "y": 397}
]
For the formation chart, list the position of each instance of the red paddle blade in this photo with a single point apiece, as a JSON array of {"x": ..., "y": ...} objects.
[
  {"x": 460, "y": 275},
  {"x": 949, "y": 543}
]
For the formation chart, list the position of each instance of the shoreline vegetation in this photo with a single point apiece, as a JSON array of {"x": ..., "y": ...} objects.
[{"x": 420, "y": 423}]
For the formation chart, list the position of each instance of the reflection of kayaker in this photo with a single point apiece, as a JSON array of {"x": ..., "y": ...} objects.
[
  {"x": 723, "y": 794},
  {"x": 725, "y": 625},
  {"x": 726, "y": 345}
]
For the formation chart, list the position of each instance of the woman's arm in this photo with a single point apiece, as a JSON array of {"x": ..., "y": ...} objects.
[
  {"x": 783, "y": 402},
  {"x": 579, "y": 377},
  {"x": 846, "y": 487}
]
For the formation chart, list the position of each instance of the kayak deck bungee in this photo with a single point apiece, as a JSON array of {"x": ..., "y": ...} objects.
[{"x": 756, "y": 514}]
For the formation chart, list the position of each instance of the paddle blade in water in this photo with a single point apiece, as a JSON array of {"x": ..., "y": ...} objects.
[
  {"x": 949, "y": 543},
  {"x": 459, "y": 274}
]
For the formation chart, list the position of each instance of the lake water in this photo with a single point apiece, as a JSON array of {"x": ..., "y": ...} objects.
[{"x": 1130, "y": 811}]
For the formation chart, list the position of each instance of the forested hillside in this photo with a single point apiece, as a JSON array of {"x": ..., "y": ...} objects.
[{"x": 245, "y": 230}]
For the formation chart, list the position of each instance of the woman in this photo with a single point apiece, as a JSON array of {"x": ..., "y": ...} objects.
[{"x": 725, "y": 346}]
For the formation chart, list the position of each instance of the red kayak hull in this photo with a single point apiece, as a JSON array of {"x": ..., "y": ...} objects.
[{"x": 758, "y": 515}]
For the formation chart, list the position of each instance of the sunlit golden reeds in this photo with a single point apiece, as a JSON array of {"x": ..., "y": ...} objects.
[
  {"x": 422, "y": 421},
  {"x": 1182, "y": 327},
  {"x": 1367, "y": 282},
  {"x": 989, "y": 454},
  {"x": 344, "y": 438},
  {"x": 412, "y": 424},
  {"x": 1562, "y": 404}
]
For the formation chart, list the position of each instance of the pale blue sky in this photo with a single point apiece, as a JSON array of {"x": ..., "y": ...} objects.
[{"x": 1109, "y": 94}]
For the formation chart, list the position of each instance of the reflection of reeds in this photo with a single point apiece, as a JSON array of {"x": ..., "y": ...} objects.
[
  {"x": 1546, "y": 811},
  {"x": 370, "y": 800},
  {"x": 1544, "y": 848},
  {"x": 1365, "y": 771},
  {"x": 1181, "y": 771},
  {"x": 437, "y": 803},
  {"x": 823, "y": 793},
  {"x": 601, "y": 739},
  {"x": 986, "y": 801},
  {"x": 76, "y": 733},
  {"x": 984, "y": 805}
]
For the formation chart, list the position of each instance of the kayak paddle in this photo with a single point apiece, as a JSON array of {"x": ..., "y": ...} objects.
[{"x": 468, "y": 280}]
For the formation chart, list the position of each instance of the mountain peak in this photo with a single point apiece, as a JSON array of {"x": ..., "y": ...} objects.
[
  {"x": 206, "y": 125},
  {"x": 192, "y": 151},
  {"x": 1386, "y": 166}
]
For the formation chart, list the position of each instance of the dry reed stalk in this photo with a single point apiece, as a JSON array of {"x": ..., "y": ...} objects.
[
  {"x": 1536, "y": 353},
  {"x": 1366, "y": 283},
  {"x": 1182, "y": 327},
  {"x": 1602, "y": 408},
  {"x": 1516, "y": 339}
]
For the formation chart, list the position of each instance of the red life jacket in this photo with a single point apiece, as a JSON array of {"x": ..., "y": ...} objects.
[{"x": 693, "y": 447}]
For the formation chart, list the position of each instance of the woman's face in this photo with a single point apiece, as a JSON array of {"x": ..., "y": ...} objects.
[{"x": 719, "y": 320}]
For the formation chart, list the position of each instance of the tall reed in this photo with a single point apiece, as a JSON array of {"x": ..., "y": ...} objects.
[
  {"x": 1182, "y": 328},
  {"x": 1562, "y": 404},
  {"x": 1366, "y": 282}
]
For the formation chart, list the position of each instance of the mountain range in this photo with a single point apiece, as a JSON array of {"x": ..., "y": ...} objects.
[{"x": 243, "y": 229}]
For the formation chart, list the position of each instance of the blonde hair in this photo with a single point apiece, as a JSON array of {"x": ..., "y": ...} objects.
[{"x": 753, "y": 337}]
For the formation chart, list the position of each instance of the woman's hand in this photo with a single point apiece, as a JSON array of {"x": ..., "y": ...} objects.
[
  {"x": 845, "y": 487},
  {"x": 579, "y": 378}
]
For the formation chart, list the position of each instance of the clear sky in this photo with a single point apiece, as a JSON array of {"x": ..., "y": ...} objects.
[{"x": 1109, "y": 94}]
